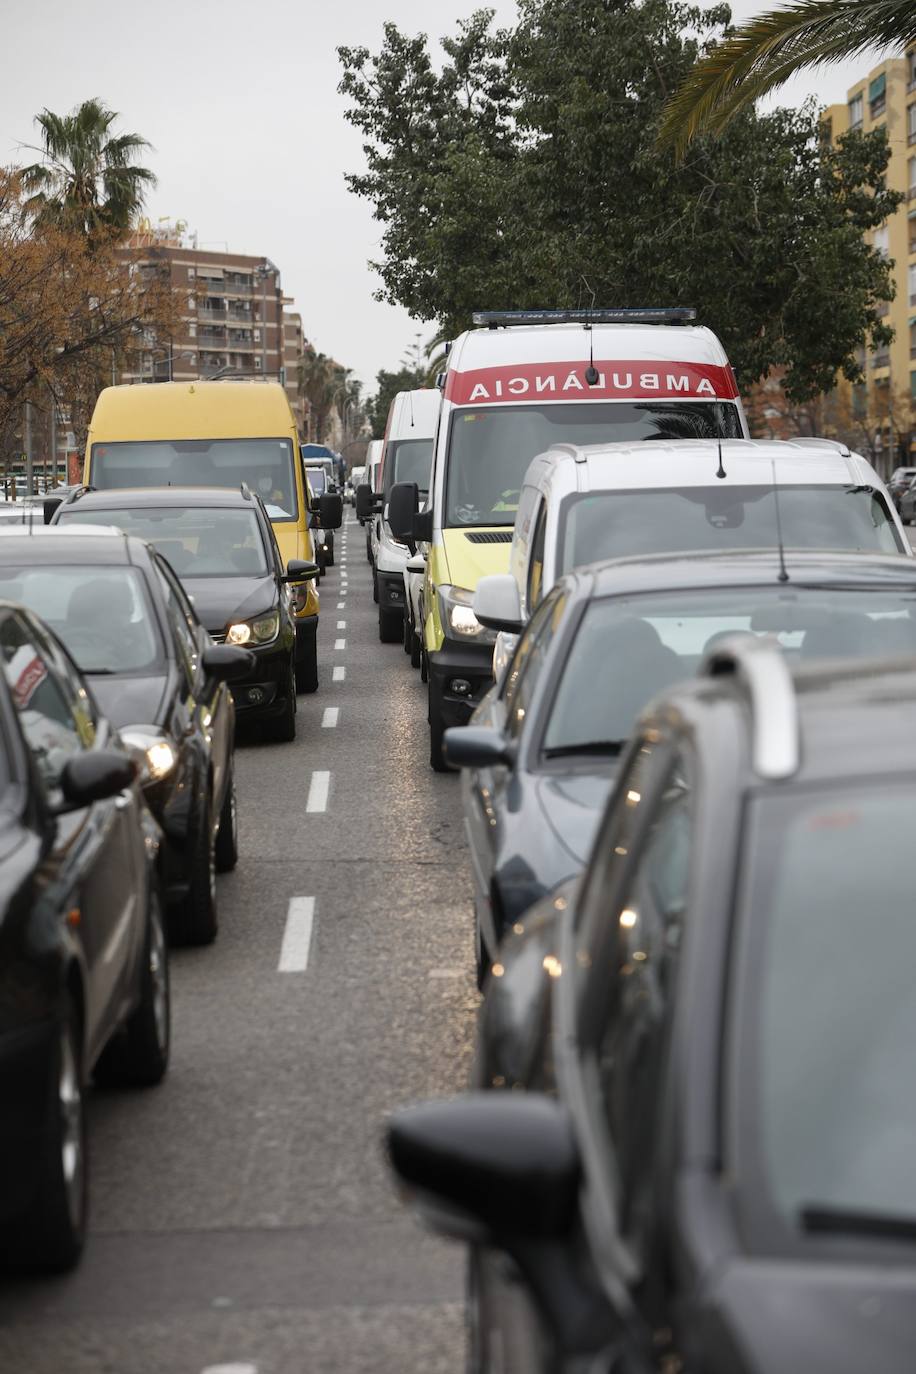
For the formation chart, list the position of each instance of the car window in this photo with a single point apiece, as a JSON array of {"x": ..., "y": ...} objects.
[
  {"x": 80, "y": 701},
  {"x": 180, "y": 617},
  {"x": 51, "y": 729},
  {"x": 529, "y": 660},
  {"x": 643, "y": 934},
  {"x": 536, "y": 562}
]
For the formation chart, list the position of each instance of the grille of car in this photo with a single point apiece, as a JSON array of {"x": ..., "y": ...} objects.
[
  {"x": 218, "y": 636},
  {"x": 490, "y": 537}
]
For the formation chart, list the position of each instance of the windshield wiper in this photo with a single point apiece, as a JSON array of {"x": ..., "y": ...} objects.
[
  {"x": 100, "y": 672},
  {"x": 611, "y": 747},
  {"x": 817, "y": 1218}
]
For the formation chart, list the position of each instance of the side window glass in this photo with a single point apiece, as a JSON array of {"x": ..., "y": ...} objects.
[
  {"x": 82, "y": 707},
  {"x": 536, "y": 561},
  {"x": 645, "y": 923},
  {"x": 181, "y": 618},
  {"x": 48, "y": 723},
  {"x": 528, "y": 662}
]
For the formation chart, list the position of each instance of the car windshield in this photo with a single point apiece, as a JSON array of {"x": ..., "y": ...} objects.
[
  {"x": 628, "y": 648},
  {"x": 103, "y": 614},
  {"x": 265, "y": 464},
  {"x": 197, "y": 541},
  {"x": 620, "y": 524},
  {"x": 489, "y": 449},
  {"x": 317, "y": 480},
  {"x": 829, "y": 1019},
  {"x": 408, "y": 460}
]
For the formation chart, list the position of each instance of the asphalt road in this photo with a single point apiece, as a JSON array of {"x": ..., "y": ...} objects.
[{"x": 242, "y": 1216}]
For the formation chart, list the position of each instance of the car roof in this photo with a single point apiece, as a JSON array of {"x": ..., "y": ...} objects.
[
  {"x": 414, "y": 414},
  {"x": 570, "y": 343},
  {"x": 742, "y": 567},
  {"x": 696, "y": 462},
  {"x": 189, "y": 410},
  {"x": 118, "y": 498},
  {"x": 74, "y": 544}
]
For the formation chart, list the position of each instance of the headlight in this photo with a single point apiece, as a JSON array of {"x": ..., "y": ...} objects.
[
  {"x": 458, "y": 614},
  {"x": 155, "y": 754},
  {"x": 259, "y": 631}
]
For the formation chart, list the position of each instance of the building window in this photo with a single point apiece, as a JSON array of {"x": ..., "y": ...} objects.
[
  {"x": 856, "y": 112},
  {"x": 913, "y": 384},
  {"x": 877, "y": 96},
  {"x": 911, "y": 274},
  {"x": 911, "y": 71},
  {"x": 192, "y": 328},
  {"x": 881, "y": 241},
  {"x": 859, "y": 401},
  {"x": 911, "y": 122}
]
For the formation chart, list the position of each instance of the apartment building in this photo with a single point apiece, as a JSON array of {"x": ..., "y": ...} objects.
[
  {"x": 886, "y": 98},
  {"x": 293, "y": 350}
]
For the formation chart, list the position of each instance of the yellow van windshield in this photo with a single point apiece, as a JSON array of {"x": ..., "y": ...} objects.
[{"x": 265, "y": 464}]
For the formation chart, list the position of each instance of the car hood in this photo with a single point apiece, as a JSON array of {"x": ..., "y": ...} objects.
[
  {"x": 572, "y": 804},
  {"x": 127, "y": 700},
  {"x": 220, "y": 600},
  {"x": 784, "y": 1315}
]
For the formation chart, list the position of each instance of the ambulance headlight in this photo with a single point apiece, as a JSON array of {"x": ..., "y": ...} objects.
[{"x": 458, "y": 614}]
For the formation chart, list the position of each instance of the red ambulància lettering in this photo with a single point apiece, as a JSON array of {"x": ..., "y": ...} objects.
[{"x": 624, "y": 382}]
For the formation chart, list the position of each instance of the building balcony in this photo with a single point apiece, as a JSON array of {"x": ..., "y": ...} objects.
[
  {"x": 219, "y": 287},
  {"x": 881, "y": 360}
]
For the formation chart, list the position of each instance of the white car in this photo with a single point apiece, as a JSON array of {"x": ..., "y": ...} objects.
[{"x": 583, "y": 505}]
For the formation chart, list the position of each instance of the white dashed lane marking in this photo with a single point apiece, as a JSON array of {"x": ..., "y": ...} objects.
[
  {"x": 339, "y": 674},
  {"x": 341, "y": 624},
  {"x": 340, "y": 605},
  {"x": 294, "y": 952},
  {"x": 329, "y": 719},
  {"x": 319, "y": 788},
  {"x": 339, "y": 644}
]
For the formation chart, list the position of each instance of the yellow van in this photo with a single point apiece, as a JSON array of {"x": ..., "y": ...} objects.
[{"x": 217, "y": 434}]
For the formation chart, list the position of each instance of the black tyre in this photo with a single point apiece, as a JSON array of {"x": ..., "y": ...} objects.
[
  {"x": 227, "y": 836},
  {"x": 389, "y": 625},
  {"x": 307, "y": 667},
  {"x": 424, "y": 664},
  {"x": 374, "y": 584},
  {"x": 407, "y": 636},
  {"x": 416, "y": 651},
  {"x": 436, "y": 731},
  {"x": 482, "y": 961},
  {"x": 283, "y": 727},
  {"x": 200, "y": 921},
  {"x": 49, "y": 1237},
  {"x": 139, "y": 1055}
]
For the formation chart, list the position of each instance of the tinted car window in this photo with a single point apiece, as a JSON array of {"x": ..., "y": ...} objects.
[
  {"x": 827, "y": 1014},
  {"x": 103, "y": 614},
  {"x": 51, "y": 730},
  {"x": 180, "y": 617},
  {"x": 620, "y": 524},
  {"x": 196, "y": 541},
  {"x": 529, "y": 661}
]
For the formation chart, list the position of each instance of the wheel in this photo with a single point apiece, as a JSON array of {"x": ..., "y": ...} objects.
[
  {"x": 424, "y": 664},
  {"x": 200, "y": 918},
  {"x": 374, "y": 584},
  {"x": 389, "y": 625},
  {"x": 307, "y": 667},
  {"x": 416, "y": 651},
  {"x": 329, "y": 557},
  {"x": 283, "y": 727},
  {"x": 139, "y": 1055},
  {"x": 407, "y": 636},
  {"x": 50, "y": 1236},
  {"x": 227, "y": 836},
  {"x": 482, "y": 959},
  {"x": 436, "y": 731}
]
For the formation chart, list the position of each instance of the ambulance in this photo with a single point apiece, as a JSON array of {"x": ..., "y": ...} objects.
[{"x": 516, "y": 385}]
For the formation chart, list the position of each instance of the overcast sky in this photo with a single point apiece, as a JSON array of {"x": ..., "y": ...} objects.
[{"x": 240, "y": 102}]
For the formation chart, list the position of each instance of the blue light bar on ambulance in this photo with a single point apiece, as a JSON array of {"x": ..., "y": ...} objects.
[{"x": 501, "y": 319}]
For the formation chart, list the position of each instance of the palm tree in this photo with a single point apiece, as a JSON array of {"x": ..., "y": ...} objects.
[
  {"x": 769, "y": 49},
  {"x": 86, "y": 180}
]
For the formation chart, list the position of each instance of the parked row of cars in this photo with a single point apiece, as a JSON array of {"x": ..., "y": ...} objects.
[
  {"x": 676, "y": 668},
  {"x": 165, "y": 602}
]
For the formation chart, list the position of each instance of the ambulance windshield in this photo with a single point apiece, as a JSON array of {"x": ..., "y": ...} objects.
[{"x": 490, "y": 447}]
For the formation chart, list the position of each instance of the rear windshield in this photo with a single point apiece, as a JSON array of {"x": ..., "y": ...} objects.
[
  {"x": 627, "y": 649},
  {"x": 102, "y": 614},
  {"x": 619, "y": 524},
  {"x": 489, "y": 449},
  {"x": 197, "y": 542},
  {"x": 265, "y": 464},
  {"x": 408, "y": 460},
  {"x": 826, "y": 1015}
]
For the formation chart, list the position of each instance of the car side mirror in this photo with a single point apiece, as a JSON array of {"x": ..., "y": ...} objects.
[
  {"x": 365, "y": 501},
  {"x": 477, "y": 746},
  {"x": 94, "y": 776},
  {"x": 330, "y": 511},
  {"x": 49, "y": 507},
  {"x": 299, "y": 570},
  {"x": 504, "y": 1168},
  {"x": 417, "y": 563},
  {"x": 226, "y": 663},
  {"x": 497, "y": 603},
  {"x": 403, "y": 504}
]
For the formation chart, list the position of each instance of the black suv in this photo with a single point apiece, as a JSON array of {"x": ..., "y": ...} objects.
[
  {"x": 221, "y": 544},
  {"x": 709, "y": 1164}
]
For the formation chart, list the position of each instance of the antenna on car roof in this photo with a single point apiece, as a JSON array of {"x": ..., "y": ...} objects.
[
  {"x": 783, "y": 575},
  {"x": 720, "y": 470},
  {"x": 591, "y": 372}
]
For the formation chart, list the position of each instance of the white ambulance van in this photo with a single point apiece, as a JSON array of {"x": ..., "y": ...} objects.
[
  {"x": 407, "y": 455},
  {"x": 516, "y": 385}
]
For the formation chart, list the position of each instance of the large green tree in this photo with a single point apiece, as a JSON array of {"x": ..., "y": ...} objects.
[
  {"x": 389, "y": 384},
  {"x": 767, "y": 50},
  {"x": 523, "y": 171},
  {"x": 88, "y": 180}
]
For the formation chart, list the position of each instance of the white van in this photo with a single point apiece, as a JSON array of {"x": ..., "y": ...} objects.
[
  {"x": 407, "y": 455},
  {"x": 585, "y": 505},
  {"x": 370, "y": 472},
  {"x": 522, "y": 382}
]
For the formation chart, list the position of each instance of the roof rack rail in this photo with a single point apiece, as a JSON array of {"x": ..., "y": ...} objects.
[
  {"x": 761, "y": 667},
  {"x": 504, "y": 319}
]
